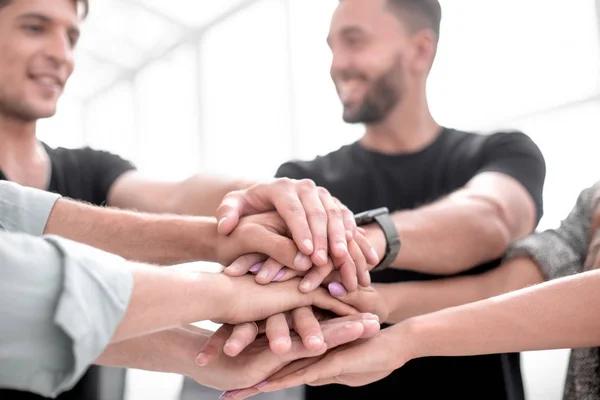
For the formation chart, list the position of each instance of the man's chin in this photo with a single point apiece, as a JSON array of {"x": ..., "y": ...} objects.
[
  {"x": 351, "y": 116},
  {"x": 42, "y": 112}
]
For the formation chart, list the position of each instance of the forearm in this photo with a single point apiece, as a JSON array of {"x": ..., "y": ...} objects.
[
  {"x": 409, "y": 299},
  {"x": 164, "y": 299},
  {"x": 171, "y": 351},
  {"x": 552, "y": 315},
  {"x": 155, "y": 239},
  {"x": 202, "y": 194},
  {"x": 448, "y": 236}
]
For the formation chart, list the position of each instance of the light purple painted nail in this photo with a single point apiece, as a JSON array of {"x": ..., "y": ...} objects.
[
  {"x": 336, "y": 289},
  {"x": 256, "y": 267},
  {"x": 279, "y": 275},
  {"x": 229, "y": 393},
  {"x": 263, "y": 383}
]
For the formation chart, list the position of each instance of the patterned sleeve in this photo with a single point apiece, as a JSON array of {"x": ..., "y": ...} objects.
[{"x": 561, "y": 252}]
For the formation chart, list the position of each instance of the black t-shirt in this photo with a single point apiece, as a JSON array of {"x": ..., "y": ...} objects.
[
  {"x": 365, "y": 180},
  {"x": 87, "y": 175}
]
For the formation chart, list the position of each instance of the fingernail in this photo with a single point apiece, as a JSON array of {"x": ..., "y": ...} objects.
[
  {"x": 368, "y": 277},
  {"x": 315, "y": 340},
  {"x": 308, "y": 244},
  {"x": 263, "y": 273},
  {"x": 279, "y": 275},
  {"x": 349, "y": 235},
  {"x": 336, "y": 289},
  {"x": 322, "y": 255},
  {"x": 263, "y": 383},
  {"x": 374, "y": 253},
  {"x": 371, "y": 323},
  {"x": 231, "y": 343},
  {"x": 282, "y": 341},
  {"x": 229, "y": 393},
  {"x": 201, "y": 360},
  {"x": 256, "y": 267},
  {"x": 302, "y": 262},
  {"x": 341, "y": 246},
  {"x": 371, "y": 316},
  {"x": 233, "y": 268},
  {"x": 305, "y": 285},
  {"x": 221, "y": 222}
]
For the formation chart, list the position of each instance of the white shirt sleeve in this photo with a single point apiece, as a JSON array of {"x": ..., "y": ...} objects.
[
  {"x": 24, "y": 209},
  {"x": 60, "y": 304}
]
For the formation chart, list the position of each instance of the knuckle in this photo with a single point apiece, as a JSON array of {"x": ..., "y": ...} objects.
[
  {"x": 284, "y": 184},
  {"x": 323, "y": 192},
  {"x": 307, "y": 184},
  {"x": 317, "y": 214},
  {"x": 294, "y": 207},
  {"x": 335, "y": 212}
]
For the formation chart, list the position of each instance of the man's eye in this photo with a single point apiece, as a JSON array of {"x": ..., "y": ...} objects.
[{"x": 34, "y": 28}]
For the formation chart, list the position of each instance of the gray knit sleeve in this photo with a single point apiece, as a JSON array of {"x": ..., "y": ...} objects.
[{"x": 561, "y": 252}]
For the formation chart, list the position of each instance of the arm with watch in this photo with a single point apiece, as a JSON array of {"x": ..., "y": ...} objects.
[{"x": 473, "y": 225}]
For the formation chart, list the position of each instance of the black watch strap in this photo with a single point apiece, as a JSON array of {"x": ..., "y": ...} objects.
[
  {"x": 382, "y": 217},
  {"x": 392, "y": 248}
]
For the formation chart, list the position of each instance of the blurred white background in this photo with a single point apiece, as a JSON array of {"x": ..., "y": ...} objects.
[{"x": 237, "y": 87}]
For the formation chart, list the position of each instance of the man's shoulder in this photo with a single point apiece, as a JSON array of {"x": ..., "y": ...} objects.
[
  {"x": 84, "y": 155},
  {"x": 339, "y": 159},
  {"x": 492, "y": 141},
  {"x": 485, "y": 137},
  {"x": 83, "y": 151}
]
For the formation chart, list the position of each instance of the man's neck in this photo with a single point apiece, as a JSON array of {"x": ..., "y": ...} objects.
[
  {"x": 409, "y": 128},
  {"x": 23, "y": 158}
]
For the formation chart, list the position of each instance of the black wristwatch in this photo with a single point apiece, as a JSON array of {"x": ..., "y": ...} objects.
[{"x": 382, "y": 217}]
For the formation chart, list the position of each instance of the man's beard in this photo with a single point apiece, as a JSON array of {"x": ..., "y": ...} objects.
[{"x": 381, "y": 98}]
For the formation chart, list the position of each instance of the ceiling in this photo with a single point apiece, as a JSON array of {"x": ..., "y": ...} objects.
[{"x": 120, "y": 37}]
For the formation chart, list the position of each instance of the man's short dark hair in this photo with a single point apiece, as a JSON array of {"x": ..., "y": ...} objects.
[
  {"x": 418, "y": 14},
  {"x": 84, "y": 3}
]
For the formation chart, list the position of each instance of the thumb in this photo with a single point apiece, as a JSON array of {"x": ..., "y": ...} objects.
[
  {"x": 365, "y": 300},
  {"x": 231, "y": 209},
  {"x": 214, "y": 346}
]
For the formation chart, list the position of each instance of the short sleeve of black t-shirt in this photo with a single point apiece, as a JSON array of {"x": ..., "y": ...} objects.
[
  {"x": 516, "y": 155},
  {"x": 86, "y": 174}
]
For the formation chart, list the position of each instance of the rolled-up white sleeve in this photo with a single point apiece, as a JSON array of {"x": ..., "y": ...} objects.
[
  {"x": 60, "y": 304},
  {"x": 24, "y": 209}
]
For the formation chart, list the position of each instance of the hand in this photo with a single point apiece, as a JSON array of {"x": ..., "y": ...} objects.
[
  {"x": 245, "y": 301},
  {"x": 355, "y": 364},
  {"x": 304, "y": 321},
  {"x": 314, "y": 217},
  {"x": 263, "y": 233},
  {"x": 258, "y": 362},
  {"x": 363, "y": 258}
]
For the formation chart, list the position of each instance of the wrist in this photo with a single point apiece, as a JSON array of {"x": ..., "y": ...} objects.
[
  {"x": 208, "y": 296},
  {"x": 394, "y": 298},
  {"x": 206, "y": 239},
  {"x": 191, "y": 343},
  {"x": 414, "y": 334}
]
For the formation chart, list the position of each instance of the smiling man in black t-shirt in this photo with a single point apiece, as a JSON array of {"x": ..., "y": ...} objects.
[
  {"x": 37, "y": 44},
  {"x": 456, "y": 199}
]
